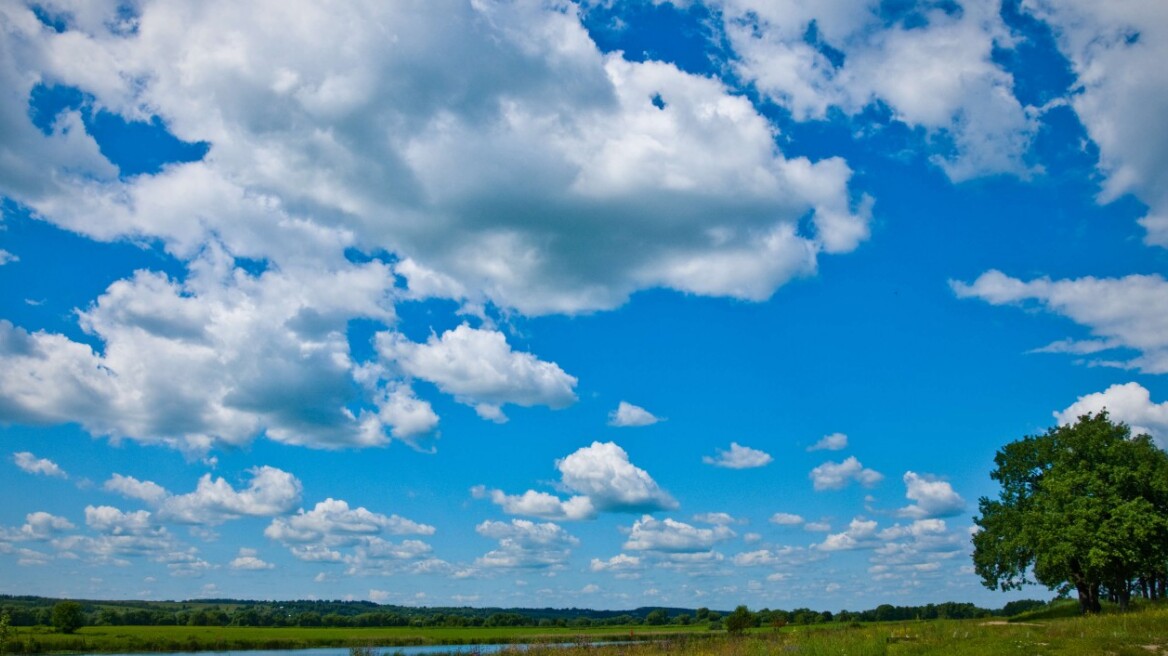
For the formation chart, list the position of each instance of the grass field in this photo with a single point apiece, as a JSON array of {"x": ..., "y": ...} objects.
[
  {"x": 1142, "y": 633},
  {"x": 113, "y": 639}
]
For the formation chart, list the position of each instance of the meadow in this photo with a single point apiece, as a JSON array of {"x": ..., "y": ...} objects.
[
  {"x": 1143, "y": 632},
  {"x": 125, "y": 639}
]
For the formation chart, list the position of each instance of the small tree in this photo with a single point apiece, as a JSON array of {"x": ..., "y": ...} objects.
[
  {"x": 68, "y": 616},
  {"x": 740, "y": 620},
  {"x": 657, "y": 617},
  {"x": 5, "y": 629}
]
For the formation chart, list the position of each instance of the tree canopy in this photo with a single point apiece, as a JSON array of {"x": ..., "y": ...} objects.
[
  {"x": 68, "y": 616},
  {"x": 1083, "y": 506}
]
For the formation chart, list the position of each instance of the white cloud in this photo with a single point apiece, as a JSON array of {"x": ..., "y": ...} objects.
[
  {"x": 444, "y": 163},
  {"x": 408, "y": 415},
  {"x": 334, "y": 523},
  {"x": 933, "y": 497},
  {"x": 603, "y": 479},
  {"x": 671, "y": 536},
  {"x": 130, "y": 487},
  {"x": 396, "y": 143},
  {"x": 771, "y": 557},
  {"x": 918, "y": 549},
  {"x": 717, "y": 518},
  {"x": 618, "y": 563},
  {"x": 38, "y": 526},
  {"x": 249, "y": 560},
  {"x": 31, "y": 464},
  {"x": 603, "y": 473},
  {"x": 786, "y": 519},
  {"x": 112, "y": 521},
  {"x": 938, "y": 75},
  {"x": 627, "y": 414},
  {"x": 739, "y": 457},
  {"x": 1123, "y": 313},
  {"x": 479, "y": 368},
  {"x": 7, "y": 258},
  {"x": 539, "y": 504},
  {"x": 817, "y": 527},
  {"x": 833, "y": 442},
  {"x": 1130, "y": 403},
  {"x": 222, "y": 357},
  {"x": 860, "y": 534},
  {"x": 525, "y": 544},
  {"x": 1116, "y": 51},
  {"x": 269, "y": 492},
  {"x": 837, "y": 475}
]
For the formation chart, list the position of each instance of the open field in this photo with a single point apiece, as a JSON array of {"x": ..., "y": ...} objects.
[
  {"x": 115, "y": 639},
  {"x": 1144, "y": 633}
]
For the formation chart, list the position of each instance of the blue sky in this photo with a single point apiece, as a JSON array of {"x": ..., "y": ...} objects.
[{"x": 562, "y": 304}]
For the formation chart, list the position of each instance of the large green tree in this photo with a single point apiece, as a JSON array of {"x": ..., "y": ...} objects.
[
  {"x": 1084, "y": 506},
  {"x": 68, "y": 616}
]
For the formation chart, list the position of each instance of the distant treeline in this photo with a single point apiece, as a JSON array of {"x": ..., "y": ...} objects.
[{"x": 33, "y": 611}]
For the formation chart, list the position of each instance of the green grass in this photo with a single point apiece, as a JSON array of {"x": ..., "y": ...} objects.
[
  {"x": 113, "y": 639},
  {"x": 1143, "y": 632}
]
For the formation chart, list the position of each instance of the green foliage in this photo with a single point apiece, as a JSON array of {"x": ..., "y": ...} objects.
[
  {"x": 657, "y": 617},
  {"x": 1083, "y": 506},
  {"x": 5, "y": 629},
  {"x": 740, "y": 620},
  {"x": 68, "y": 616}
]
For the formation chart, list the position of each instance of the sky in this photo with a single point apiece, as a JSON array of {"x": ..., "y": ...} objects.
[{"x": 532, "y": 303}]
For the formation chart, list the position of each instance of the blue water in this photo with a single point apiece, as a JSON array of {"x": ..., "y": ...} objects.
[{"x": 409, "y": 650}]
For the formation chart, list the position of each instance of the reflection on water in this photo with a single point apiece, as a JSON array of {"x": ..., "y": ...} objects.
[{"x": 410, "y": 650}]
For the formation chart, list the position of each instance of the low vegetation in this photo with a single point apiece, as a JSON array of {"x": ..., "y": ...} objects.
[{"x": 1055, "y": 628}]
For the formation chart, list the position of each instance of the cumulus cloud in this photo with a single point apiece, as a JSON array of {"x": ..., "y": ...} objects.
[
  {"x": 130, "y": 487},
  {"x": 1121, "y": 313},
  {"x": 603, "y": 473},
  {"x": 269, "y": 492},
  {"x": 932, "y": 497},
  {"x": 718, "y": 518},
  {"x": 31, "y": 464},
  {"x": 739, "y": 457},
  {"x": 221, "y": 357},
  {"x": 538, "y": 504},
  {"x": 333, "y": 522},
  {"x": 786, "y": 519},
  {"x": 395, "y": 144},
  {"x": 603, "y": 479},
  {"x": 479, "y": 369},
  {"x": 1130, "y": 403},
  {"x": 38, "y": 526},
  {"x": 627, "y": 414},
  {"x": 1115, "y": 51},
  {"x": 525, "y": 545},
  {"x": 918, "y": 549},
  {"x": 618, "y": 563},
  {"x": 933, "y": 70},
  {"x": 671, "y": 536},
  {"x": 249, "y": 560},
  {"x": 860, "y": 534},
  {"x": 833, "y": 442},
  {"x": 837, "y": 475},
  {"x": 772, "y": 557},
  {"x": 446, "y": 164},
  {"x": 113, "y": 521},
  {"x": 7, "y": 258}
]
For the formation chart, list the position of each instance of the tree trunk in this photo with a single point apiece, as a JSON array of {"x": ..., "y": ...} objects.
[
  {"x": 1123, "y": 591},
  {"x": 1088, "y": 597}
]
